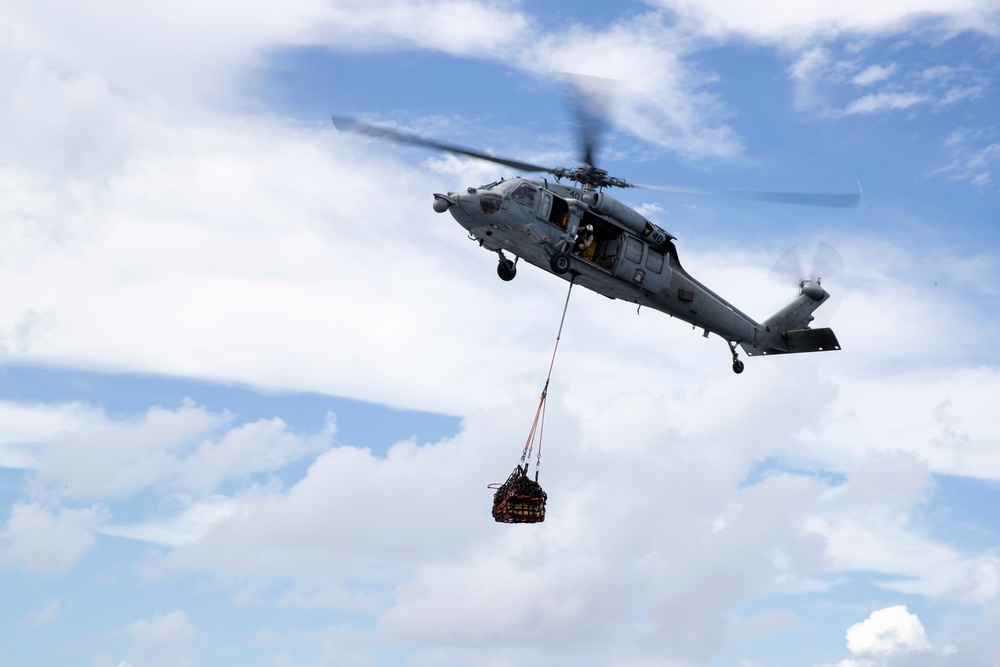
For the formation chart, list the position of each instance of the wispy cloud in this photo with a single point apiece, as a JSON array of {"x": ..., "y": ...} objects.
[
  {"x": 795, "y": 24},
  {"x": 874, "y": 74},
  {"x": 883, "y": 102},
  {"x": 826, "y": 79},
  {"x": 48, "y": 613},
  {"x": 973, "y": 156}
]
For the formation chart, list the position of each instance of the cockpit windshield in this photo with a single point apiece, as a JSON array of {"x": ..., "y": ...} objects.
[
  {"x": 505, "y": 186},
  {"x": 524, "y": 194}
]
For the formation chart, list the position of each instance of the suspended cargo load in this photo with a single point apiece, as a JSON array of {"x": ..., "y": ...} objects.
[{"x": 519, "y": 500}]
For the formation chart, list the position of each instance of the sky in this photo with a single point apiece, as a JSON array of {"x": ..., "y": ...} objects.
[{"x": 253, "y": 388}]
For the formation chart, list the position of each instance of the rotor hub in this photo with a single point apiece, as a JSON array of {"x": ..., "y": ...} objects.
[{"x": 590, "y": 177}]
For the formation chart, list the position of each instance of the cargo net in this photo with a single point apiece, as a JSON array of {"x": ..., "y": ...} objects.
[{"x": 519, "y": 500}]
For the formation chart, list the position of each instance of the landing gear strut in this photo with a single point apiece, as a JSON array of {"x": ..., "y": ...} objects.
[
  {"x": 737, "y": 364},
  {"x": 506, "y": 269}
]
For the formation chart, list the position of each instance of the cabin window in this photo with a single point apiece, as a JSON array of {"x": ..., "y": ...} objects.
[
  {"x": 524, "y": 194},
  {"x": 654, "y": 261},
  {"x": 633, "y": 250},
  {"x": 546, "y": 207}
]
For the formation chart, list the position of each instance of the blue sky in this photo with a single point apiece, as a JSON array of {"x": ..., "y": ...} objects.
[{"x": 252, "y": 388}]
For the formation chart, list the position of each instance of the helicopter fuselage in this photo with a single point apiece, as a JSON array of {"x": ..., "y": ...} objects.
[{"x": 630, "y": 259}]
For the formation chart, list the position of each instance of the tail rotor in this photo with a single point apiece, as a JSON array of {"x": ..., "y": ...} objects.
[{"x": 809, "y": 263}]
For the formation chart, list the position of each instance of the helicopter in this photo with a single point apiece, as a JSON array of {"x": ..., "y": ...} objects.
[{"x": 582, "y": 234}]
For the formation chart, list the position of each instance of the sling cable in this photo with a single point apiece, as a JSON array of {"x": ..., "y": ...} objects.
[{"x": 521, "y": 499}]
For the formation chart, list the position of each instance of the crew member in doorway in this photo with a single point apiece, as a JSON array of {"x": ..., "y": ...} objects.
[{"x": 584, "y": 246}]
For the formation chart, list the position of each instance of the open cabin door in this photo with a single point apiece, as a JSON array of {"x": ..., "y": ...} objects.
[{"x": 553, "y": 210}]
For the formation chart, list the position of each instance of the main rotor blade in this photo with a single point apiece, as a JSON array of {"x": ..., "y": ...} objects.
[
  {"x": 360, "y": 127},
  {"x": 589, "y": 97},
  {"x": 800, "y": 198}
]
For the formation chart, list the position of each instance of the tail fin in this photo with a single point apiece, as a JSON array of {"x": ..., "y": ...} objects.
[{"x": 788, "y": 332}]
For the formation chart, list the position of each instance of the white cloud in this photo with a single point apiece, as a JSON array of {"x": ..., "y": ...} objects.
[
  {"x": 942, "y": 417},
  {"x": 887, "y": 631},
  {"x": 910, "y": 562},
  {"x": 162, "y": 641},
  {"x": 883, "y": 101},
  {"x": 664, "y": 101},
  {"x": 48, "y": 613},
  {"x": 188, "y": 449},
  {"x": 459, "y": 27},
  {"x": 25, "y": 428},
  {"x": 895, "y": 637},
  {"x": 37, "y": 539},
  {"x": 972, "y": 154},
  {"x": 413, "y": 530},
  {"x": 805, "y": 72},
  {"x": 874, "y": 74},
  {"x": 186, "y": 527},
  {"x": 826, "y": 77},
  {"x": 796, "y": 23}
]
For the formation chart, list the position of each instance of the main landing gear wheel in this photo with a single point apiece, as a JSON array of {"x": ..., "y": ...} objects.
[
  {"x": 506, "y": 270},
  {"x": 560, "y": 263}
]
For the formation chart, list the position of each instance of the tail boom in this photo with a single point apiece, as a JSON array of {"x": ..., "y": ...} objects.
[{"x": 788, "y": 332}]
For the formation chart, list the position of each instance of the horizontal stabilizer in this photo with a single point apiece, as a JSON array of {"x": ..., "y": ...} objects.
[{"x": 800, "y": 340}]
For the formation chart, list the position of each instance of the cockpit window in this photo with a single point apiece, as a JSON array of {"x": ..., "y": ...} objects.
[
  {"x": 504, "y": 186},
  {"x": 524, "y": 194},
  {"x": 490, "y": 203}
]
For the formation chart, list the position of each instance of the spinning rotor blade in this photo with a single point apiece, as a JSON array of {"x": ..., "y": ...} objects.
[
  {"x": 360, "y": 127},
  {"x": 798, "y": 263},
  {"x": 800, "y": 198},
  {"x": 590, "y": 131},
  {"x": 590, "y": 96}
]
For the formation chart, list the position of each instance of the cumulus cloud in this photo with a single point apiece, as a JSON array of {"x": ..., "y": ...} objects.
[
  {"x": 413, "y": 531},
  {"x": 893, "y": 637},
  {"x": 670, "y": 532},
  {"x": 887, "y": 631},
  {"x": 26, "y": 428},
  {"x": 163, "y": 640},
  {"x": 187, "y": 449},
  {"x": 41, "y": 540}
]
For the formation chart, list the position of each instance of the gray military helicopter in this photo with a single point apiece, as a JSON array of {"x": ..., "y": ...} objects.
[{"x": 581, "y": 233}]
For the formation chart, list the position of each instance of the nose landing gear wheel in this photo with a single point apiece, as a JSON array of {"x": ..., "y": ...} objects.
[
  {"x": 506, "y": 270},
  {"x": 560, "y": 263}
]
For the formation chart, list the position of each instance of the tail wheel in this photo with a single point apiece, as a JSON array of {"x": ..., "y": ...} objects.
[{"x": 737, "y": 366}]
